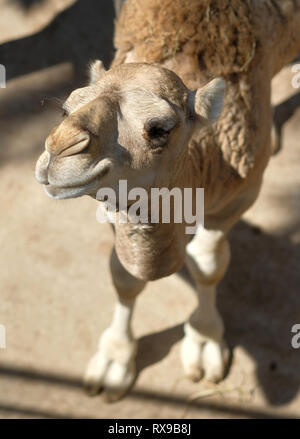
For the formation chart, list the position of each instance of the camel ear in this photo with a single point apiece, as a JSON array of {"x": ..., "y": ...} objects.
[
  {"x": 208, "y": 100},
  {"x": 97, "y": 70}
]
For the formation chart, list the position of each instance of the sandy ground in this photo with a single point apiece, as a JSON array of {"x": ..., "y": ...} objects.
[{"x": 55, "y": 288}]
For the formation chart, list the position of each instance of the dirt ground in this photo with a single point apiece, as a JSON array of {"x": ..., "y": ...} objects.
[{"x": 55, "y": 290}]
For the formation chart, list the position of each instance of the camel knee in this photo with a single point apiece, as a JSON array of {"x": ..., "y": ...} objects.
[{"x": 208, "y": 260}]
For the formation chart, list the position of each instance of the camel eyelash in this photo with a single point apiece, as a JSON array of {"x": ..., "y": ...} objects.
[
  {"x": 54, "y": 102},
  {"x": 64, "y": 112}
]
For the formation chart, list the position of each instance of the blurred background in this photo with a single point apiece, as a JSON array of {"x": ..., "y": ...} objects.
[{"x": 56, "y": 295}]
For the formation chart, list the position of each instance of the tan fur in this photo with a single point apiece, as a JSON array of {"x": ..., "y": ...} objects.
[
  {"x": 201, "y": 39},
  {"x": 104, "y": 139},
  {"x": 157, "y": 32},
  {"x": 104, "y": 133}
]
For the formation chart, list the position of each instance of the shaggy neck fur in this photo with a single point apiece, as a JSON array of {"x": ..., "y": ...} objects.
[{"x": 151, "y": 251}]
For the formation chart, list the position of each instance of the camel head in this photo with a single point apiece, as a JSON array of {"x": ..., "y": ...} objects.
[{"x": 132, "y": 122}]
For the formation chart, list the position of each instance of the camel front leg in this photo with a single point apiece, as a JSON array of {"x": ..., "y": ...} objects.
[
  {"x": 203, "y": 350},
  {"x": 112, "y": 368}
]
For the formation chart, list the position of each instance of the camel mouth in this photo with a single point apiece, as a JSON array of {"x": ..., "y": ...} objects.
[
  {"x": 63, "y": 193},
  {"x": 76, "y": 190}
]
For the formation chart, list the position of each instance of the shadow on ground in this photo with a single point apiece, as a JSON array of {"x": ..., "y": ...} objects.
[
  {"x": 79, "y": 34},
  {"x": 283, "y": 112},
  {"x": 27, "y": 4},
  {"x": 259, "y": 297},
  {"x": 33, "y": 376},
  {"x": 259, "y": 300}
]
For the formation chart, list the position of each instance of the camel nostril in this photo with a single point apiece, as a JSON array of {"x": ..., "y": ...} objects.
[
  {"x": 76, "y": 148},
  {"x": 81, "y": 143}
]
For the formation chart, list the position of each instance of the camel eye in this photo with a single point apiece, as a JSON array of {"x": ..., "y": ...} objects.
[
  {"x": 157, "y": 132},
  {"x": 64, "y": 112}
]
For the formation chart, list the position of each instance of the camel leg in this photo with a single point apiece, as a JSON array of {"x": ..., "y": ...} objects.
[
  {"x": 203, "y": 350},
  {"x": 112, "y": 368}
]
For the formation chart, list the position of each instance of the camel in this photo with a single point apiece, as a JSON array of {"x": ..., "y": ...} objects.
[{"x": 162, "y": 116}]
